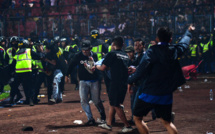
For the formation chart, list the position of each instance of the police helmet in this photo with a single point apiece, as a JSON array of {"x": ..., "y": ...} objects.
[
  {"x": 63, "y": 40},
  {"x": 24, "y": 44},
  {"x": 2, "y": 39},
  {"x": 56, "y": 38},
  {"x": 45, "y": 41},
  {"x": 94, "y": 34},
  {"x": 14, "y": 39},
  {"x": 37, "y": 43}
]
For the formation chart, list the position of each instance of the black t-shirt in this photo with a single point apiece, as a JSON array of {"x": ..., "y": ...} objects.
[
  {"x": 79, "y": 60},
  {"x": 137, "y": 60},
  {"x": 117, "y": 61}
]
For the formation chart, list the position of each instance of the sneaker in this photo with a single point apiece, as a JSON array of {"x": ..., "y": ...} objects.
[
  {"x": 90, "y": 102},
  {"x": 90, "y": 123},
  {"x": 100, "y": 121},
  {"x": 51, "y": 101},
  {"x": 172, "y": 117},
  {"x": 127, "y": 129},
  {"x": 18, "y": 98},
  {"x": 105, "y": 126}
]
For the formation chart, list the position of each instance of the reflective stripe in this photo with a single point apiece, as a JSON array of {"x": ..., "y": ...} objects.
[
  {"x": 67, "y": 48},
  {"x": 23, "y": 69},
  {"x": 61, "y": 50},
  {"x": 34, "y": 49}
]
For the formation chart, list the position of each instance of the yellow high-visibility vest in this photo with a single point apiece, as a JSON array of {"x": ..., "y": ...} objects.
[
  {"x": 61, "y": 50},
  {"x": 24, "y": 61},
  {"x": 34, "y": 62},
  {"x": 68, "y": 47},
  {"x": 205, "y": 46},
  {"x": 109, "y": 48},
  {"x": 193, "y": 50},
  {"x": 3, "y": 55},
  {"x": 40, "y": 66},
  {"x": 98, "y": 51},
  {"x": 10, "y": 55}
]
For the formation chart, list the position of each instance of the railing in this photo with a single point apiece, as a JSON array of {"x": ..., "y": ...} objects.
[{"x": 129, "y": 19}]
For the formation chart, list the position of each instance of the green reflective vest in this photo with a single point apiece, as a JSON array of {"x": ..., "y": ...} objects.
[
  {"x": 24, "y": 61},
  {"x": 109, "y": 48},
  {"x": 34, "y": 62},
  {"x": 73, "y": 46},
  {"x": 149, "y": 46},
  {"x": 9, "y": 53},
  {"x": 193, "y": 50},
  {"x": 205, "y": 46},
  {"x": 3, "y": 55},
  {"x": 98, "y": 51},
  {"x": 40, "y": 66},
  {"x": 61, "y": 50}
]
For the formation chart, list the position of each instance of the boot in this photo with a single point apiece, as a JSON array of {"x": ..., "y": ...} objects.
[{"x": 31, "y": 103}]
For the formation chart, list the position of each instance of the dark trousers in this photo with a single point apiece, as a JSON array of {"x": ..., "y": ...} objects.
[
  {"x": 50, "y": 79},
  {"x": 39, "y": 80},
  {"x": 1, "y": 87},
  {"x": 73, "y": 74},
  {"x": 25, "y": 79},
  {"x": 62, "y": 83},
  {"x": 133, "y": 98}
]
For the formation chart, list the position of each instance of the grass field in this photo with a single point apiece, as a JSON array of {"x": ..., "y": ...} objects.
[{"x": 6, "y": 94}]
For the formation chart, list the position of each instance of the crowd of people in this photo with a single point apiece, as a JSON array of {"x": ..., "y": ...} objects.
[
  {"x": 148, "y": 68},
  {"x": 128, "y": 18},
  {"x": 142, "y": 70}
]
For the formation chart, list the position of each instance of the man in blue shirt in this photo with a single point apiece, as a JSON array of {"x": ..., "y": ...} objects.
[{"x": 161, "y": 74}]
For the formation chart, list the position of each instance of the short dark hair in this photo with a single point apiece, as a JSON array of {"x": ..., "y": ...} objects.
[
  {"x": 164, "y": 34},
  {"x": 118, "y": 41},
  {"x": 140, "y": 40}
]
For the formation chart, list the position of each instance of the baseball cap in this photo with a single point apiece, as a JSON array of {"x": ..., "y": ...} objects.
[
  {"x": 129, "y": 49},
  {"x": 86, "y": 45}
]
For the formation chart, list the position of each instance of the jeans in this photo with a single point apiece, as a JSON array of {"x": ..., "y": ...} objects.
[
  {"x": 57, "y": 93},
  {"x": 86, "y": 87}
]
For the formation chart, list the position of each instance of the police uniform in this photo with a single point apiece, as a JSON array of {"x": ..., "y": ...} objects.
[
  {"x": 2, "y": 60},
  {"x": 23, "y": 71},
  {"x": 206, "y": 53}
]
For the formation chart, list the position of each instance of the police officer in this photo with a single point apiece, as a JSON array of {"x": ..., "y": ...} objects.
[
  {"x": 2, "y": 58},
  {"x": 194, "y": 51},
  {"x": 99, "y": 48},
  {"x": 206, "y": 52},
  {"x": 97, "y": 44},
  {"x": 23, "y": 68},
  {"x": 40, "y": 75}
]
